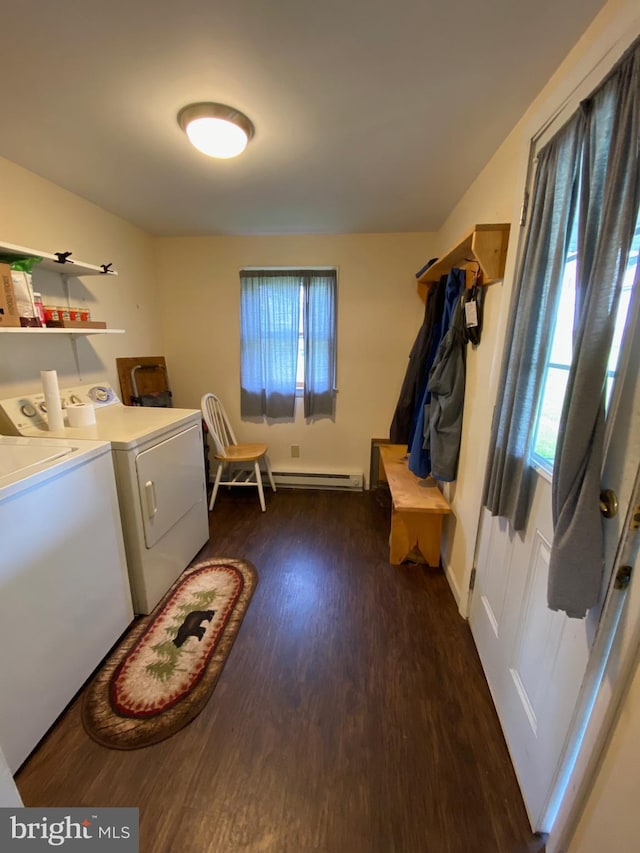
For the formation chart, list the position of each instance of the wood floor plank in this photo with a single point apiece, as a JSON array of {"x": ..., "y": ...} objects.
[{"x": 352, "y": 715}]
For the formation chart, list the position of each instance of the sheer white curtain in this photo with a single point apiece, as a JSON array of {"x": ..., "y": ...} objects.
[
  {"x": 270, "y": 329},
  {"x": 319, "y": 344},
  {"x": 269, "y": 319}
]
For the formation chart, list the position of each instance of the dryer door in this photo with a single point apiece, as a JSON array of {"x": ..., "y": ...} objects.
[{"x": 170, "y": 481}]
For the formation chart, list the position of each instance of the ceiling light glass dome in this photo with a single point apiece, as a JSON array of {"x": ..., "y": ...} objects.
[{"x": 216, "y": 129}]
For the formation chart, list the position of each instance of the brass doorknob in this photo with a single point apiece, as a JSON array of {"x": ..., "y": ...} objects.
[{"x": 608, "y": 503}]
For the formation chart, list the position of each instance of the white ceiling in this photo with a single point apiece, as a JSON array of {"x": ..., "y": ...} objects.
[{"x": 370, "y": 115}]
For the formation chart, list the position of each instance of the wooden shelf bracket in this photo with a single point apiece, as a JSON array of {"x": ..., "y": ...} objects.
[{"x": 485, "y": 244}]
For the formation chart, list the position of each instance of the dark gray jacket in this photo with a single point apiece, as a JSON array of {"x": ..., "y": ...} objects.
[{"x": 446, "y": 384}]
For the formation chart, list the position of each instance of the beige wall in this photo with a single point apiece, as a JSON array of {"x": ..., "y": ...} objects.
[
  {"x": 495, "y": 196},
  {"x": 379, "y": 312},
  {"x": 40, "y": 215}
]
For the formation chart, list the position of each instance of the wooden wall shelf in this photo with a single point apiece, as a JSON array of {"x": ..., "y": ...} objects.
[{"x": 486, "y": 244}]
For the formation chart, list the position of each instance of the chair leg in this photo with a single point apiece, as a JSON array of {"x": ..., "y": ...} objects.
[
  {"x": 268, "y": 464},
  {"x": 256, "y": 466},
  {"x": 216, "y": 485}
]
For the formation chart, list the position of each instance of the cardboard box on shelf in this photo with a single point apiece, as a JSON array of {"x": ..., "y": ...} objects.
[
  {"x": 23, "y": 292},
  {"x": 8, "y": 308}
]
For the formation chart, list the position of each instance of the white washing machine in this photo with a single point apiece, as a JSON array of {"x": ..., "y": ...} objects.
[
  {"x": 159, "y": 465},
  {"x": 64, "y": 590}
]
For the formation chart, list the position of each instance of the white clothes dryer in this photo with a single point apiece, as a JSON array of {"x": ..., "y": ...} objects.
[{"x": 158, "y": 458}]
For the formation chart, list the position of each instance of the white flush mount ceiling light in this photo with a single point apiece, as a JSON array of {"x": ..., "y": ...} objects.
[{"x": 216, "y": 129}]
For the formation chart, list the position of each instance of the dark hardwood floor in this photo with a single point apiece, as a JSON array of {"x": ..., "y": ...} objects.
[{"x": 352, "y": 715}]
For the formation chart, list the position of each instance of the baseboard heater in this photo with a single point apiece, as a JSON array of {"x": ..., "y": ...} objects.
[{"x": 353, "y": 480}]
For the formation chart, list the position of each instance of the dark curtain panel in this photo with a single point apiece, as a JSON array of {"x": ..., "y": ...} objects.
[
  {"x": 609, "y": 199},
  {"x": 509, "y": 477}
]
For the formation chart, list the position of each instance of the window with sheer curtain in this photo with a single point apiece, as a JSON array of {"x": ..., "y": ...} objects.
[{"x": 288, "y": 341}]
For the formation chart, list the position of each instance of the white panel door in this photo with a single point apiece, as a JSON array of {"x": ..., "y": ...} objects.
[{"x": 535, "y": 658}]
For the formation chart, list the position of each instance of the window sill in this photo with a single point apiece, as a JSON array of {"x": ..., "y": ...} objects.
[{"x": 542, "y": 471}]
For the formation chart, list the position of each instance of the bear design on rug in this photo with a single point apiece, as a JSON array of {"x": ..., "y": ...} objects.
[{"x": 191, "y": 626}]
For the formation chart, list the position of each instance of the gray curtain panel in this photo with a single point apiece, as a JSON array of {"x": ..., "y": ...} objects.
[
  {"x": 509, "y": 476},
  {"x": 609, "y": 200}
]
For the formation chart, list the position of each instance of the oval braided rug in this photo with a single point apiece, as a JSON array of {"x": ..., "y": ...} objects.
[{"x": 162, "y": 674}]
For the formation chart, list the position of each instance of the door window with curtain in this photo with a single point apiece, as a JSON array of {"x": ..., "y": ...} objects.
[
  {"x": 559, "y": 359},
  {"x": 575, "y": 283},
  {"x": 288, "y": 342}
]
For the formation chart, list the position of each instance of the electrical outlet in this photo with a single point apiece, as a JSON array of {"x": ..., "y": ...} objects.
[{"x": 295, "y": 450}]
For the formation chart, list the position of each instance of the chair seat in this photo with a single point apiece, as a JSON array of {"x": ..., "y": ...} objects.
[{"x": 242, "y": 452}]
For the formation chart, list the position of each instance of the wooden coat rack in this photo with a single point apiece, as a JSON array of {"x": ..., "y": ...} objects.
[{"x": 485, "y": 246}]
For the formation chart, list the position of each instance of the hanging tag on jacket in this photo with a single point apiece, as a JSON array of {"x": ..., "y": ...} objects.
[{"x": 471, "y": 313}]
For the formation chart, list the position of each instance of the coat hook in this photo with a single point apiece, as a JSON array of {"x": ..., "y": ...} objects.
[
  {"x": 106, "y": 267},
  {"x": 477, "y": 273},
  {"x": 63, "y": 257}
]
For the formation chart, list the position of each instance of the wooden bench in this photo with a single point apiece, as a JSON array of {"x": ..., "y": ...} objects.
[{"x": 418, "y": 509}]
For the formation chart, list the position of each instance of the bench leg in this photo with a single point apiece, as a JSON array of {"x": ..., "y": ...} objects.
[{"x": 411, "y": 529}]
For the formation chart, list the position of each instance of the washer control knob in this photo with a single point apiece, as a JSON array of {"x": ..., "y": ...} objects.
[
  {"x": 100, "y": 394},
  {"x": 43, "y": 407},
  {"x": 28, "y": 410},
  {"x": 75, "y": 399}
]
